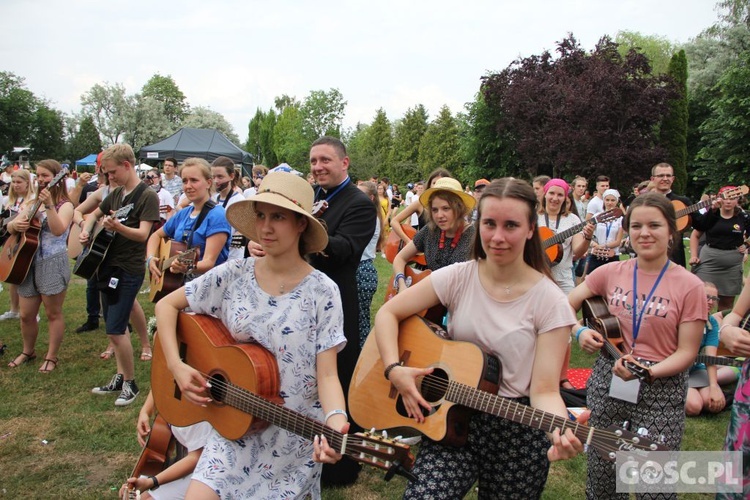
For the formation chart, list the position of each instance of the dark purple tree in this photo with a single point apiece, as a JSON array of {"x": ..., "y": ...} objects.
[{"x": 581, "y": 113}]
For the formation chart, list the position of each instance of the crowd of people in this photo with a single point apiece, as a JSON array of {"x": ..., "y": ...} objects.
[{"x": 288, "y": 263}]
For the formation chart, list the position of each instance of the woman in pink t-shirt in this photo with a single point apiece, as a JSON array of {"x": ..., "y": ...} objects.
[
  {"x": 504, "y": 300},
  {"x": 662, "y": 329}
]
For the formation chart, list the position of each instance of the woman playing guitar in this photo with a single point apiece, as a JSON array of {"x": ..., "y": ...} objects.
[
  {"x": 292, "y": 310},
  {"x": 21, "y": 189},
  {"x": 173, "y": 481},
  {"x": 662, "y": 310},
  {"x": 416, "y": 207},
  {"x": 49, "y": 273},
  {"x": 505, "y": 301},
  {"x": 211, "y": 236},
  {"x": 447, "y": 237}
]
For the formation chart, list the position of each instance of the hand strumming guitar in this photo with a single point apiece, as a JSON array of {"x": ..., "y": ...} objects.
[
  {"x": 404, "y": 380},
  {"x": 191, "y": 383}
]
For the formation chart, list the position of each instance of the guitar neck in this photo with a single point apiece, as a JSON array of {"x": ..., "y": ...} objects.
[
  {"x": 560, "y": 237},
  {"x": 290, "y": 420},
  {"x": 718, "y": 360},
  {"x": 502, "y": 407},
  {"x": 694, "y": 208}
]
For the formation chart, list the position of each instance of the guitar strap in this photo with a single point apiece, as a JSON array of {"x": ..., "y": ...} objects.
[{"x": 201, "y": 217}]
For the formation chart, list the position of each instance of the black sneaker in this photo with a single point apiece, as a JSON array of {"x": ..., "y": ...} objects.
[
  {"x": 128, "y": 394},
  {"x": 114, "y": 386},
  {"x": 88, "y": 326}
]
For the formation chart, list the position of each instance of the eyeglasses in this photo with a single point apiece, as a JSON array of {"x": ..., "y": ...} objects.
[
  {"x": 152, "y": 177},
  {"x": 712, "y": 298},
  {"x": 664, "y": 176}
]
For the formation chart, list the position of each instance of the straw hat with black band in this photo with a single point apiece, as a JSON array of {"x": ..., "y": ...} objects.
[
  {"x": 283, "y": 190},
  {"x": 447, "y": 185}
]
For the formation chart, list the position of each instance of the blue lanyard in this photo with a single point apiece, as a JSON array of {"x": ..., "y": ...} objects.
[
  {"x": 335, "y": 191},
  {"x": 637, "y": 318},
  {"x": 609, "y": 228}
]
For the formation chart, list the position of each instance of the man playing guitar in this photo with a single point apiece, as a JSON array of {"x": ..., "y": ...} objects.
[{"x": 121, "y": 273}]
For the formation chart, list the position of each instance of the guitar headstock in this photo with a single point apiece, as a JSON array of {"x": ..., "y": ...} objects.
[
  {"x": 122, "y": 213},
  {"x": 189, "y": 256},
  {"x": 607, "y": 216},
  {"x": 379, "y": 451},
  {"x": 734, "y": 193},
  {"x": 613, "y": 439}
]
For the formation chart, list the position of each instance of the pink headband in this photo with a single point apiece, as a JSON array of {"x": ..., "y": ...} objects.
[
  {"x": 559, "y": 183},
  {"x": 726, "y": 188}
]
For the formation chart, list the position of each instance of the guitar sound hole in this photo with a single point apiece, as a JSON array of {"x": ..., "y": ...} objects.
[
  {"x": 218, "y": 389},
  {"x": 434, "y": 386}
]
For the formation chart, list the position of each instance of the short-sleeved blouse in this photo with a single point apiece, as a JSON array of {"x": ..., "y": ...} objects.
[{"x": 295, "y": 327}]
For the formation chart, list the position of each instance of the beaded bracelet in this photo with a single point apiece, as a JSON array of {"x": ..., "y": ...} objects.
[{"x": 391, "y": 367}]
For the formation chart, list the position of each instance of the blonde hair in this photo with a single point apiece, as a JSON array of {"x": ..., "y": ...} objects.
[
  {"x": 119, "y": 153},
  {"x": 203, "y": 166},
  {"x": 30, "y": 193}
]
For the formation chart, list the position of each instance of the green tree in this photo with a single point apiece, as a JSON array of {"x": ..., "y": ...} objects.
[
  {"x": 260, "y": 137},
  {"x": 726, "y": 148},
  {"x": 84, "y": 141},
  {"x": 202, "y": 117},
  {"x": 165, "y": 90},
  {"x": 377, "y": 144},
  {"x": 486, "y": 152},
  {"x": 108, "y": 106},
  {"x": 47, "y": 137},
  {"x": 674, "y": 126},
  {"x": 322, "y": 113},
  {"x": 439, "y": 146},
  {"x": 289, "y": 142},
  {"x": 407, "y": 136},
  {"x": 17, "y": 107},
  {"x": 657, "y": 49},
  {"x": 361, "y": 165},
  {"x": 146, "y": 121}
]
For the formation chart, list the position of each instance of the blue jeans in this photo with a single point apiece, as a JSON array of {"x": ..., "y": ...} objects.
[
  {"x": 118, "y": 302},
  {"x": 93, "y": 303}
]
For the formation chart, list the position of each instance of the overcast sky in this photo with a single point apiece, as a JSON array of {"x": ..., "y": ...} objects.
[{"x": 237, "y": 55}]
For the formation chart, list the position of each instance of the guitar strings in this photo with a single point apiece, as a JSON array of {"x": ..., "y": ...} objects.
[
  {"x": 356, "y": 445},
  {"x": 601, "y": 439}
]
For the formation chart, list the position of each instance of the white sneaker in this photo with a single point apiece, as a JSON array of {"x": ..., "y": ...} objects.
[{"x": 9, "y": 315}]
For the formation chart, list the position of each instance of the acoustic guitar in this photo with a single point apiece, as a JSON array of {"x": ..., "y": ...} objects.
[
  {"x": 394, "y": 244},
  {"x": 245, "y": 397},
  {"x": 95, "y": 251},
  {"x": 19, "y": 249},
  {"x": 170, "y": 251},
  {"x": 596, "y": 316},
  {"x": 464, "y": 379},
  {"x": 412, "y": 277},
  {"x": 552, "y": 242},
  {"x": 683, "y": 211},
  {"x": 158, "y": 448}
]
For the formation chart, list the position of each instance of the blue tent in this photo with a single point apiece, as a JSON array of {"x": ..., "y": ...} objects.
[{"x": 90, "y": 160}]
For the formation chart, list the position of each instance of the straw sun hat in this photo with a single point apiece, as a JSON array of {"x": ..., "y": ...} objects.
[
  {"x": 283, "y": 190},
  {"x": 450, "y": 185}
]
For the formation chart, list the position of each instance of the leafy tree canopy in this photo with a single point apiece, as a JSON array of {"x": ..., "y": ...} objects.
[{"x": 165, "y": 90}]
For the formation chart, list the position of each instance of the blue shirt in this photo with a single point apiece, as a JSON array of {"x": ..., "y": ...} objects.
[
  {"x": 710, "y": 338},
  {"x": 179, "y": 225}
]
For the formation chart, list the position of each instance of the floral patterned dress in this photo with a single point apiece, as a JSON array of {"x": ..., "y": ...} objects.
[
  {"x": 295, "y": 327},
  {"x": 738, "y": 433}
]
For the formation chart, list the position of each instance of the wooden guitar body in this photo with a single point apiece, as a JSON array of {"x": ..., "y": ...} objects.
[
  {"x": 18, "y": 252},
  {"x": 168, "y": 282},
  {"x": 93, "y": 254},
  {"x": 157, "y": 450},
  {"x": 553, "y": 251},
  {"x": 394, "y": 244},
  {"x": 207, "y": 346},
  {"x": 374, "y": 402}
]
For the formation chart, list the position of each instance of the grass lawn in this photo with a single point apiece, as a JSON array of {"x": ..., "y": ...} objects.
[{"x": 57, "y": 440}]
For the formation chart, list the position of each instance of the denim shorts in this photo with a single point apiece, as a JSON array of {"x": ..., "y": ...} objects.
[{"x": 118, "y": 302}]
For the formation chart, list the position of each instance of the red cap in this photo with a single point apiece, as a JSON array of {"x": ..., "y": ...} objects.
[
  {"x": 481, "y": 182},
  {"x": 99, "y": 159}
]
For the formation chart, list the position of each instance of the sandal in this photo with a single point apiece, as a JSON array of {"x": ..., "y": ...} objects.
[
  {"x": 27, "y": 359},
  {"x": 107, "y": 354},
  {"x": 146, "y": 354},
  {"x": 45, "y": 366}
]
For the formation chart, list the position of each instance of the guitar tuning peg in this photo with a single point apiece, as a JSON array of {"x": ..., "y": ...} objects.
[
  {"x": 626, "y": 425},
  {"x": 384, "y": 434},
  {"x": 662, "y": 439},
  {"x": 642, "y": 431}
]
